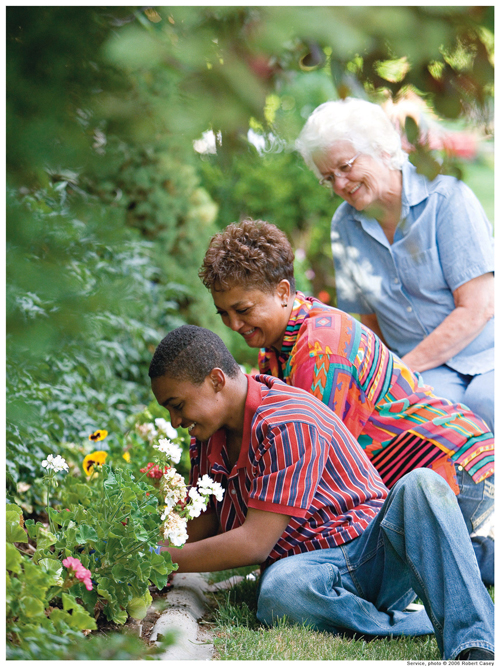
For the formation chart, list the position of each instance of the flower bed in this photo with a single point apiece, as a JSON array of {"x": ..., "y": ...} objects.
[{"x": 97, "y": 555}]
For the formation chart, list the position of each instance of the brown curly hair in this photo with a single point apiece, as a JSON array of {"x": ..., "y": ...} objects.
[{"x": 251, "y": 254}]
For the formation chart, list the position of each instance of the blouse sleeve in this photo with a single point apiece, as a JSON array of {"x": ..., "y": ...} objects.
[
  {"x": 331, "y": 377},
  {"x": 464, "y": 237}
]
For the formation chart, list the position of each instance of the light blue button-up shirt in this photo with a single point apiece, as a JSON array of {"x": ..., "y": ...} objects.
[{"x": 443, "y": 240}]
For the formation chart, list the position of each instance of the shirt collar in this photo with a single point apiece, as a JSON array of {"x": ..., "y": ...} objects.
[
  {"x": 415, "y": 185},
  {"x": 269, "y": 361},
  {"x": 218, "y": 439},
  {"x": 300, "y": 311},
  {"x": 253, "y": 402},
  {"x": 415, "y": 189}
]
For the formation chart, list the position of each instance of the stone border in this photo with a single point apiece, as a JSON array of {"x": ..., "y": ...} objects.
[{"x": 187, "y": 605}]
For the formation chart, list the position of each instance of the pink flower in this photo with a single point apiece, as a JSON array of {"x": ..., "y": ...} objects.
[{"x": 81, "y": 573}]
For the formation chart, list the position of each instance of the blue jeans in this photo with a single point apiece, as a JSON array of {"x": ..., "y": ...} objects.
[
  {"x": 418, "y": 544},
  {"x": 475, "y": 391}
]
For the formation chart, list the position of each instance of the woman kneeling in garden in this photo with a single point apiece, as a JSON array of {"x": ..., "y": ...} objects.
[
  {"x": 302, "y": 500},
  {"x": 394, "y": 416}
]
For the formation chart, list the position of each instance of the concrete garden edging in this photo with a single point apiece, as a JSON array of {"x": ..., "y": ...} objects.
[{"x": 187, "y": 605}]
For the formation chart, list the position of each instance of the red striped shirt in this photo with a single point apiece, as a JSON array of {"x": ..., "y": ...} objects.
[{"x": 297, "y": 458}]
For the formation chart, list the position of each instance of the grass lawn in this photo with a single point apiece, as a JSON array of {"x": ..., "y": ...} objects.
[{"x": 239, "y": 636}]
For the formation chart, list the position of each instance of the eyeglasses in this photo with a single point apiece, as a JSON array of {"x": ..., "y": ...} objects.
[{"x": 343, "y": 171}]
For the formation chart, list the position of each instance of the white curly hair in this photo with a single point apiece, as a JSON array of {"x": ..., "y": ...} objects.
[{"x": 362, "y": 123}]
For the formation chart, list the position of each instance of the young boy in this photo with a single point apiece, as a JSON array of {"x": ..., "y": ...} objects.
[{"x": 302, "y": 500}]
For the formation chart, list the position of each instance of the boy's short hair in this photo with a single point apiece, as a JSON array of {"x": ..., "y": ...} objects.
[
  {"x": 252, "y": 254},
  {"x": 190, "y": 353}
]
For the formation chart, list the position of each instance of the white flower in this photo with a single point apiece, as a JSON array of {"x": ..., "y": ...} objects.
[
  {"x": 166, "y": 428},
  {"x": 58, "y": 464},
  {"x": 197, "y": 505},
  {"x": 171, "y": 450},
  {"x": 175, "y": 529},
  {"x": 173, "y": 486},
  {"x": 167, "y": 510},
  {"x": 147, "y": 431},
  {"x": 207, "y": 486}
]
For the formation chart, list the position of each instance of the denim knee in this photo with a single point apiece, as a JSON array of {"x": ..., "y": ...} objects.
[
  {"x": 425, "y": 480},
  {"x": 278, "y": 589}
]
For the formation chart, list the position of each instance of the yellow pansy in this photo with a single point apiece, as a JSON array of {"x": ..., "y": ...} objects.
[
  {"x": 98, "y": 435},
  {"x": 94, "y": 459}
]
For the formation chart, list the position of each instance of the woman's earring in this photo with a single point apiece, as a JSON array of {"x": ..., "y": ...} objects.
[{"x": 284, "y": 305}]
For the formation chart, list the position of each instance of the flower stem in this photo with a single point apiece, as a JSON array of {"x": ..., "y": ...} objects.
[{"x": 120, "y": 557}]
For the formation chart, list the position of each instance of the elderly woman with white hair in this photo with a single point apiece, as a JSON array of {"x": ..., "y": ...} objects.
[{"x": 413, "y": 257}]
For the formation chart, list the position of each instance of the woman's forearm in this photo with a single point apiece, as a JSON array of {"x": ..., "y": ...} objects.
[
  {"x": 474, "y": 307},
  {"x": 453, "y": 334}
]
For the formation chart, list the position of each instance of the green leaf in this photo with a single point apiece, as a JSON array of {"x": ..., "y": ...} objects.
[
  {"x": 14, "y": 532},
  {"x": 70, "y": 537},
  {"x": 80, "y": 620},
  {"x": 122, "y": 573},
  {"x": 69, "y": 602},
  {"x": 13, "y": 559},
  {"x": 119, "y": 616},
  {"x": 85, "y": 533},
  {"x": 138, "y": 606},
  {"x": 128, "y": 495},
  {"x": 110, "y": 478},
  {"x": 32, "y": 528},
  {"x": 105, "y": 588},
  {"x": 14, "y": 508},
  {"x": 53, "y": 568},
  {"x": 45, "y": 539},
  {"x": 77, "y": 493},
  {"x": 59, "y": 619},
  {"x": 160, "y": 580},
  {"x": 31, "y": 607},
  {"x": 35, "y": 581}
]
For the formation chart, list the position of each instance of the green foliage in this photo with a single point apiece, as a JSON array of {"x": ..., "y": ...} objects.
[
  {"x": 77, "y": 353},
  {"x": 112, "y": 534},
  {"x": 42, "y": 643},
  {"x": 29, "y": 590}
]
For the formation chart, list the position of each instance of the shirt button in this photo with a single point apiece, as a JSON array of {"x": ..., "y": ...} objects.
[
  {"x": 233, "y": 492},
  {"x": 460, "y": 467},
  {"x": 409, "y": 308},
  {"x": 396, "y": 280}
]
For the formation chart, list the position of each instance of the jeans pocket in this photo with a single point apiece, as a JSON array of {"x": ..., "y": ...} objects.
[{"x": 476, "y": 500}]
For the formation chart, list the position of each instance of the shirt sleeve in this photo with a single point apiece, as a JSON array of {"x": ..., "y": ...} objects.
[
  {"x": 350, "y": 297},
  {"x": 288, "y": 468},
  {"x": 464, "y": 237}
]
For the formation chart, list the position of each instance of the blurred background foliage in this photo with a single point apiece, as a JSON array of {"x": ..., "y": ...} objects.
[{"x": 135, "y": 134}]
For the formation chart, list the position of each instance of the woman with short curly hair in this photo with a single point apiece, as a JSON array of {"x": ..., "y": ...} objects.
[{"x": 253, "y": 252}]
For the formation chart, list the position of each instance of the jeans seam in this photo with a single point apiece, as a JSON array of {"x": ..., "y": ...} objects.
[
  {"x": 386, "y": 525},
  {"x": 351, "y": 571}
]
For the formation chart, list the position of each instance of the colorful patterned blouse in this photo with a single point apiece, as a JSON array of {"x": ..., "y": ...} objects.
[{"x": 397, "y": 419}]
